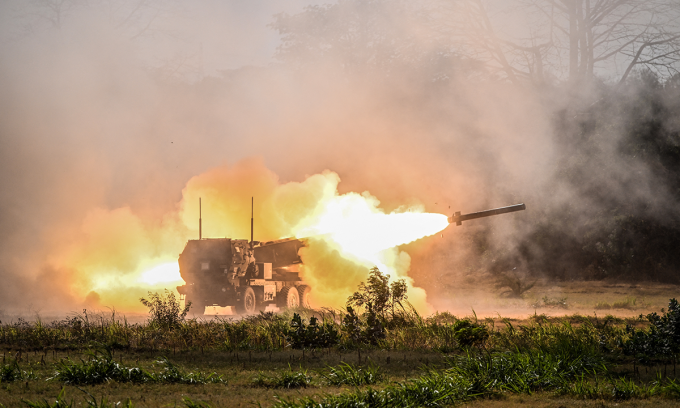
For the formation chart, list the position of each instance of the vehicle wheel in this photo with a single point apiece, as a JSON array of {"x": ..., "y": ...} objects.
[
  {"x": 303, "y": 291},
  {"x": 288, "y": 297},
  {"x": 197, "y": 306},
  {"x": 248, "y": 303}
]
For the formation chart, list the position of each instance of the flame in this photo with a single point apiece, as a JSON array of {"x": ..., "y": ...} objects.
[
  {"x": 163, "y": 273},
  {"x": 121, "y": 255},
  {"x": 361, "y": 230}
]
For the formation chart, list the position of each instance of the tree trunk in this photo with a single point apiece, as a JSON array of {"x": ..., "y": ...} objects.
[{"x": 573, "y": 38}]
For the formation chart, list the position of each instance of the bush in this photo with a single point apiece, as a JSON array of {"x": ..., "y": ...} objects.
[
  {"x": 165, "y": 310},
  {"x": 368, "y": 331},
  {"x": 302, "y": 336},
  {"x": 469, "y": 334},
  {"x": 101, "y": 367},
  {"x": 11, "y": 372},
  {"x": 661, "y": 340},
  {"x": 378, "y": 296}
]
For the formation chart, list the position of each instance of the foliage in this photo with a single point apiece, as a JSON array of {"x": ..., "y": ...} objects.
[
  {"x": 313, "y": 335},
  {"x": 284, "y": 379},
  {"x": 469, "y": 334},
  {"x": 470, "y": 376},
  {"x": 358, "y": 331},
  {"x": 100, "y": 367},
  {"x": 195, "y": 404},
  {"x": 551, "y": 302},
  {"x": 91, "y": 402},
  {"x": 165, "y": 310},
  {"x": 60, "y": 402},
  {"x": 576, "y": 356},
  {"x": 348, "y": 374},
  {"x": 628, "y": 303},
  {"x": 378, "y": 295},
  {"x": 11, "y": 372},
  {"x": 661, "y": 340}
]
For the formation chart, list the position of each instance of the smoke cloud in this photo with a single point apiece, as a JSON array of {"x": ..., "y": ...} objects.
[{"x": 104, "y": 150}]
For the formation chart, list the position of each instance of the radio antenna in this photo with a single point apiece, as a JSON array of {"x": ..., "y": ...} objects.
[
  {"x": 252, "y": 201},
  {"x": 200, "y": 220}
]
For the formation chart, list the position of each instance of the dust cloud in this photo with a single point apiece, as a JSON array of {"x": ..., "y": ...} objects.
[{"x": 111, "y": 128}]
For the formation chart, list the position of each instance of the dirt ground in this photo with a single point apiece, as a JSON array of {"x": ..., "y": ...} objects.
[{"x": 564, "y": 298}]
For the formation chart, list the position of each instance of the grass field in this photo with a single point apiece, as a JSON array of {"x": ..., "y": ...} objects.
[{"x": 555, "y": 359}]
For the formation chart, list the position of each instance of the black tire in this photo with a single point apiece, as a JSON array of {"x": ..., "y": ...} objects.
[
  {"x": 197, "y": 306},
  {"x": 303, "y": 291},
  {"x": 248, "y": 302},
  {"x": 289, "y": 298}
]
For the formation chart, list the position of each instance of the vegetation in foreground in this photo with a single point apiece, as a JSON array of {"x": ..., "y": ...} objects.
[{"x": 379, "y": 352}]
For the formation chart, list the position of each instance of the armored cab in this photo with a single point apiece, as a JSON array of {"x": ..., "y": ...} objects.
[{"x": 248, "y": 277}]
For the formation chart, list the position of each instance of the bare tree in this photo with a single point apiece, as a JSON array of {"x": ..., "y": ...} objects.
[
  {"x": 52, "y": 11},
  {"x": 569, "y": 38},
  {"x": 135, "y": 18},
  {"x": 614, "y": 32}
]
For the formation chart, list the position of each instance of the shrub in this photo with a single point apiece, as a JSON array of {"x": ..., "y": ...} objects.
[
  {"x": 11, "y": 372},
  {"x": 313, "y": 335},
  {"x": 101, "y": 367},
  {"x": 98, "y": 368},
  {"x": 469, "y": 334},
  {"x": 661, "y": 340},
  {"x": 378, "y": 296},
  {"x": 360, "y": 332},
  {"x": 165, "y": 310},
  {"x": 172, "y": 374}
]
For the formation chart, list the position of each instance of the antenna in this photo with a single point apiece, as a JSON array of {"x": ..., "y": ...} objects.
[
  {"x": 200, "y": 220},
  {"x": 252, "y": 201}
]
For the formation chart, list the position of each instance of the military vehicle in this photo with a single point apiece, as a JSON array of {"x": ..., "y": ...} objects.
[
  {"x": 248, "y": 276},
  {"x": 251, "y": 276}
]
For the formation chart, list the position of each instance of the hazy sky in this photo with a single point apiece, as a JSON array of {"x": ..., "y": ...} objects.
[
  {"x": 213, "y": 34},
  {"x": 249, "y": 41}
]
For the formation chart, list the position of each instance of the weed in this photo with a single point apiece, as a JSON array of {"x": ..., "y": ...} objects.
[
  {"x": 104, "y": 402},
  {"x": 469, "y": 334},
  {"x": 195, "y": 404},
  {"x": 560, "y": 303},
  {"x": 303, "y": 336},
  {"x": 173, "y": 375},
  {"x": 369, "y": 331},
  {"x": 165, "y": 310},
  {"x": 60, "y": 402},
  {"x": 628, "y": 303},
  {"x": 347, "y": 374},
  {"x": 662, "y": 340},
  {"x": 11, "y": 372},
  {"x": 284, "y": 379},
  {"x": 603, "y": 306},
  {"x": 100, "y": 367},
  {"x": 91, "y": 402}
]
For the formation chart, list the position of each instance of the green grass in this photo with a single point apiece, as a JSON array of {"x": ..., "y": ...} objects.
[
  {"x": 284, "y": 379},
  {"x": 628, "y": 303},
  {"x": 99, "y": 367},
  {"x": 435, "y": 361},
  {"x": 349, "y": 374}
]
